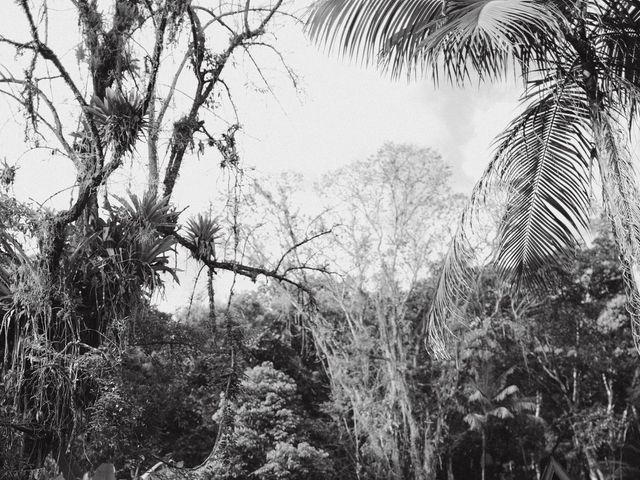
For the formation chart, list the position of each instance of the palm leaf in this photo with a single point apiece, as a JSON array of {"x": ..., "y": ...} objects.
[
  {"x": 476, "y": 421},
  {"x": 507, "y": 392},
  {"x": 479, "y": 397},
  {"x": 544, "y": 160},
  {"x": 454, "y": 286},
  {"x": 501, "y": 412},
  {"x": 364, "y": 29},
  {"x": 525, "y": 406},
  {"x": 413, "y": 35},
  {"x": 489, "y": 36},
  {"x": 615, "y": 30}
]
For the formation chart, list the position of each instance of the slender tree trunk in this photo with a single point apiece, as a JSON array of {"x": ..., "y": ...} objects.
[
  {"x": 483, "y": 458},
  {"x": 621, "y": 196},
  {"x": 535, "y": 466},
  {"x": 450, "y": 466},
  {"x": 595, "y": 473},
  {"x": 212, "y": 305},
  {"x": 152, "y": 146},
  {"x": 430, "y": 451},
  {"x": 574, "y": 373}
]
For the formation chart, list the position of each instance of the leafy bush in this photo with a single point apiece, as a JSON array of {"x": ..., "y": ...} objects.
[{"x": 264, "y": 435}]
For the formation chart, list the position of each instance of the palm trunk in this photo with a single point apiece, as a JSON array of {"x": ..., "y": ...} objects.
[
  {"x": 621, "y": 194},
  {"x": 483, "y": 458}
]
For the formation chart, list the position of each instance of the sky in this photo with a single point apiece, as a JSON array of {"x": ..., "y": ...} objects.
[
  {"x": 339, "y": 112},
  {"x": 345, "y": 112}
]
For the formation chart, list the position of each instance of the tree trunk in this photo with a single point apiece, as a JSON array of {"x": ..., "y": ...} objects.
[
  {"x": 212, "y": 305},
  {"x": 450, "y": 467},
  {"x": 621, "y": 193},
  {"x": 594, "y": 469},
  {"x": 152, "y": 146},
  {"x": 483, "y": 458}
]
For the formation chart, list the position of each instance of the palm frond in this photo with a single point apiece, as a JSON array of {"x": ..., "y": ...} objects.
[
  {"x": 615, "y": 32},
  {"x": 542, "y": 162},
  {"x": 501, "y": 412},
  {"x": 487, "y": 36},
  {"x": 613, "y": 28},
  {"x": 479, "y": 397},
  {"x": 490, "y": 37},
  {"x": 363, "y": 29},
  {"x": 521, "y": 406},
  {"x": 454, "y": 286},
  {"x": 507, "y": 392},
  {"x": 476, "y": 421}
]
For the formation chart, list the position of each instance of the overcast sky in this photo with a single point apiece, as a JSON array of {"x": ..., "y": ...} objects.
[
  {"x": 340, "y": 112},
  {"x": 346, "y": 112}
]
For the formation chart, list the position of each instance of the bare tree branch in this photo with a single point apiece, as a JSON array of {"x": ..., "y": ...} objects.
[
  {"x": 189, "y": 124},
  {"x": 56, "y": 129},
  {"x": 48, "y": 54},
  {"x": 239, "y": 268},
  {"x": 300, "y": 244}
]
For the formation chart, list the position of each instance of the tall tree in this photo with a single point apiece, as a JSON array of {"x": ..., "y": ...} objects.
[
  {"x": 578, "y": 61},
  {"x": 89, "y": 271},
  {"x": 392, "y": 213}
]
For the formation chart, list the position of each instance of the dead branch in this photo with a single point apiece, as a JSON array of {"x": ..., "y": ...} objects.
[
  {"x": 239, "y": 268},
  {"x": 45, "y": 52}
]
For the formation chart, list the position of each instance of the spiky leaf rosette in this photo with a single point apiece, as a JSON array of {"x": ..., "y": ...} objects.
[
  {"x": 148, "y": 212},
  {"x": 202, "y": 232},
  {"x": 120, "y": 119},
  {"x": 139, "y": 243}
]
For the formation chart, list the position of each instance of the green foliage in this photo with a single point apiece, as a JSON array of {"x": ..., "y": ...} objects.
[
  {"x": 264, "y": 437},
  {"x": 54, "y": 323},
  {"x": 287, "y": 462},
  {"x": 155, "y": 400}
]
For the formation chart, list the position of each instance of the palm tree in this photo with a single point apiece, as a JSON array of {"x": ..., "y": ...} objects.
[
  {"x": 579, "y": 61},
  {"x": 490, "y": 396}
]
